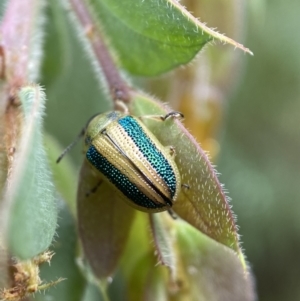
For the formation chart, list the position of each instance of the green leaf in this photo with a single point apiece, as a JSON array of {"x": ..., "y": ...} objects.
[
  {"x": 30, "y": 194},
  {"x": 147, "y": 281},
  {"x": 92, "y": 293},
  {"x": 204, "y": 269},
  {"x": 163, "y": 241},
  {"x": 204, "y": 204},
  {"x": 154, "y": 36},
  {"x": 63, "y": 264},
  {"x": 209, "y": 270}
]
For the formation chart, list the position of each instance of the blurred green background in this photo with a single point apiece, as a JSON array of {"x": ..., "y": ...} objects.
[
  {"x": 260, "y": 147},
  {"x": 259, "y": 136}
]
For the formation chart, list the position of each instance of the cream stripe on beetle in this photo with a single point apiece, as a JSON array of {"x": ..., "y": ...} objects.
[
  {"x": 111, "y": 153},
  {"x": 133, "y": 152}
]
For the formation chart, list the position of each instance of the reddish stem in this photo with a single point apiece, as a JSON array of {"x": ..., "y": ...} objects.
[
  {"x": 2, "y": 63},
  {"x": 16, "y": 31},
  {"x": 118, "y": 87}
]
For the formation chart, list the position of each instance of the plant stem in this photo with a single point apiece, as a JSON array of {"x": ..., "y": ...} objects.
[
  {"x": 118, "y": 87},
  {"x": 18, "y": 25}
]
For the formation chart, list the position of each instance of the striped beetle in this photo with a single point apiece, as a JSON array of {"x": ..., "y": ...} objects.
[{"x": 124, "y": 152}]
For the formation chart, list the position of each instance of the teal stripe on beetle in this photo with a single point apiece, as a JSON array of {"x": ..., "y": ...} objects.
[
  {"x": 159, "y": 163},
  {"x": 120, "y": 180}
]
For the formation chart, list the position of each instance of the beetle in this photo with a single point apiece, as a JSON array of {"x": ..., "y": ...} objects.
[{"x": 124, "y": 152}]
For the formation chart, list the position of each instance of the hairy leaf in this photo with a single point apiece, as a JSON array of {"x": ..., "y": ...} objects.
[
  {"x": 210, "y": 270},
  {"x": 30, "y": 196},
  {"x": 63, "y": 263},
  {"x": 203, "y": 203},
  {"x": 153, "y": 36}
]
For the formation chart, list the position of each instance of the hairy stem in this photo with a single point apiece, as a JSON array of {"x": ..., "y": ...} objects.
[{"x": 118, "y": 87}]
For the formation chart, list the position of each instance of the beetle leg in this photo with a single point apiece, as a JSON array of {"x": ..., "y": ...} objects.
[
  {"x": 186, "y": 186},
  {"x": 172, "y": 151},
  {"x": 174, "y": 114},
  {"x": 94, "y": 189},
  {"x": 172, "y": 213}
]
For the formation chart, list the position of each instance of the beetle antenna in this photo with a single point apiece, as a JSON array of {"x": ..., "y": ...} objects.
[
  {"x": 80, "y": 135},
  {"x": 69, "y": 147}
]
